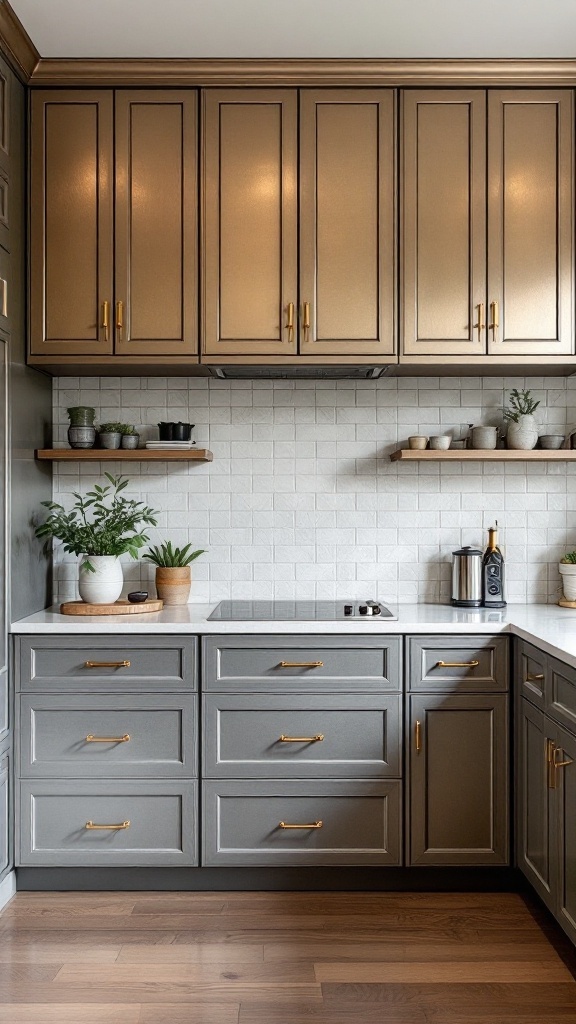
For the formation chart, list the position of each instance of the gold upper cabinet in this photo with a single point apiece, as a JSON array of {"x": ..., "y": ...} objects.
[
  {"x": 337, "y": 299},
  {"x": 487, "y": 233}
]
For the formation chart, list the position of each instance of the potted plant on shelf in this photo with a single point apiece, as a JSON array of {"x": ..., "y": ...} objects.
[
  {"x": 130, "y": 436},
  {"x": 522, "y": 430},
  {"x": 111, "y": 531},
  {"x": 567, "y": 568},
  {"x": 173, "y": 572},
  {"x": 110, "y": 434},
  {"x": 81, "y": 432}
]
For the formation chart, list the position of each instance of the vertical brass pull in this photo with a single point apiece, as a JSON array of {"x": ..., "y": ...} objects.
[
  {"x": 119, "y": 319},
  {"x": 106, "y": 320},
  {"x": 481, "y": 323},
  {"x": 494, "y": 314},
  {"x": 4, "y": 303},
  {"x": 561, "y": 764},
  {"x": 550, "y": 769},
  {"x": 290, "y": 321},
  {"x": 418, "y": 736},
  {"x": 306, "y": 320}
]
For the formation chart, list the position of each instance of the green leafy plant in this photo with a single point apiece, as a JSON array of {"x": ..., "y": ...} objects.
[
  {"x": 128, "y": 429},
  {"x": 113, "y": 428},
  {"x": 569, "y": 558},
  {"x": 112, "y": 528},
  {"x": 167, "y": 557},
  {"x": 522, "y": 404}
]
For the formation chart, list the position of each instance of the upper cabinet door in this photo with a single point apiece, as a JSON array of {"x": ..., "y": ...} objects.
[
  {"x": 71, "y": 222},
  {"x": 156, "y": 224},
  {"x": 347, "y": 217},
  {"x": 249, "y": 228},
  {"x": 444, "y": 223},
  {"x": 530, "y": 222}
]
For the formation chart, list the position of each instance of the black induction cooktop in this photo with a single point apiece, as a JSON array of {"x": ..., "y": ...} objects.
[{"x": 300, "y": 611}]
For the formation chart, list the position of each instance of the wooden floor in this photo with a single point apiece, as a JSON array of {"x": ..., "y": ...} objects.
[{"x": 282, "y": 958}]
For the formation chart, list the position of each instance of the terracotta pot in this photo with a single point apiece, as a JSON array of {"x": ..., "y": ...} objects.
[{"x": 173, "y": 584}]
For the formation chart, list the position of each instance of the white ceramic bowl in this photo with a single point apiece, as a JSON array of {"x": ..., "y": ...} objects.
[{"x": 440, "y": 442}]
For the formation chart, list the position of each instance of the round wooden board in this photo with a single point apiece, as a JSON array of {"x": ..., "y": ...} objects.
[
  {"x": 118, "y": 608},
  {"x": 566, "y": 604}
]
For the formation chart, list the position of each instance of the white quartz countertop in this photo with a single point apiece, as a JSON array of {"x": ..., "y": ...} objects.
[{"x": 549, "y": 627}]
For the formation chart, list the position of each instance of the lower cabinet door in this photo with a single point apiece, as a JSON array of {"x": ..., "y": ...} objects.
[
  {"x": 296, "y": 736},
  {"x": 297, "y": 823},
  {"x": 458, "y": 779},
  {"x": 565, "y": 756},
  {"x": 534, "y": 829},
  {"x": 105, "y": 823},
  {"x": 5, "y": 826}
]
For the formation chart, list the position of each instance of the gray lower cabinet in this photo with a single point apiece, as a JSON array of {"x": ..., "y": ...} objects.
[
  {"x": 80, "y": 823},
  {"x": 532, "y": 678},
  {"x": 565, "y": 758},
  {"x": 5, "y": 816},
  {"x": 301, "y": 822},
  {"x": 458, "y": 664},
  {"x": 458, "y": 779},
  {"x": 296, "y": 736}
]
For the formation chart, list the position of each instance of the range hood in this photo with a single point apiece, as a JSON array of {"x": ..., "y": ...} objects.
[{"x": 299, "y": 372}]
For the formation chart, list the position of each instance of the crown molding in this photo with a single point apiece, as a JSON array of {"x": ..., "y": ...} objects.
[
  {"x": 209, "y": 72},
  {"x": 16, "y": 44}
]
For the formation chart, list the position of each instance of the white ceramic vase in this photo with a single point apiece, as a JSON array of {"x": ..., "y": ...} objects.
[
  {"x": 568, "y": 574},
  {"x": 104, "y": 585},
  {"x": 523, "y": 434}
]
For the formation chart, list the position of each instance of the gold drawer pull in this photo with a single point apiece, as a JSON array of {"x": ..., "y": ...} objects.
[
  {"x": 106, "y": 664},
  {"x": 534, "y": 677},
  {"x": 314, "y": 824},
  {"x": 418, "y": 737},
  {"x": 108, "y": 828},
  {"x": 301, "y": 664},
  {"x": 457, "y": 664},
  {"x": 290, "y": 321},
  {"x": 106, "y": 320},
  {"x": 108, "y": 739},
  {"x": 550, "y": 751},
  {"x": 561, "y": 764},
  {"x": 302, "y": 739},
  {"x": 494, "y": 313}
]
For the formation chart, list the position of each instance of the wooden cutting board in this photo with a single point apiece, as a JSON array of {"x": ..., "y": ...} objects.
[{"x": 118, "y": 608}]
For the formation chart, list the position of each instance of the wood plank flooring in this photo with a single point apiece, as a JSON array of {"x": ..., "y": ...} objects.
[{"x": 283, "y": 958}]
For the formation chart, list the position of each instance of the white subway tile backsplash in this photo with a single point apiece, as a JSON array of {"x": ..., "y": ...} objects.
[{"x": 302, "y": 500}]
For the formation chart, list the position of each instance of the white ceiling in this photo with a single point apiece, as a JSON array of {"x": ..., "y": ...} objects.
[{"x": 300, "y": 28}]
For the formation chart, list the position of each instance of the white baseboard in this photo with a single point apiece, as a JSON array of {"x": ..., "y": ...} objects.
[{"x": 7, "y": 889}]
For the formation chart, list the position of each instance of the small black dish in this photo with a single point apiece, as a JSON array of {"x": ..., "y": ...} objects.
[{"x": 138, "y": 596}]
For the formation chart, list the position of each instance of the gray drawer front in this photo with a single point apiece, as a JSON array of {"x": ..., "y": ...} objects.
[
  {"x": 54, "y": 729},
  {"x": 427, "y": 674},
  {"x": 532, "y": 675},
  {"x": 360, "y": 823},
  {"x": 162, "y": 817},
  {"x": 254, "y": 664},
  {"x": 561, "y": 704},
  {"x": 5, "y": 828},
  {"x": 361, "y": 736},
  {"x": 59, "y": 663}
]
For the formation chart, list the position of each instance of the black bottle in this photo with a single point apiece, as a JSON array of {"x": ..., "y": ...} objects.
[{"x": 493, "y": 572}]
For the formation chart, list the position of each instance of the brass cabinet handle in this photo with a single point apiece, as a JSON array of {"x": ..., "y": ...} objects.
[
  {"x": 494, "y": 314},
  {"x": 108, "y": 739},
  {"x": 457, "y": 664},
  {"x": 106, "y": 664},
  {"x": 481, "y": 324},
  {"x": 418, "y": 736},
  {"x": 4, "y": 303},
  {"x": 302, "y": 739},
  {"x": 534, "y": 677},
  {"x": 551, "y": 774},
  {"x": 108, "y": 828},
  {"x": 306, "y": 320},
  {"x": 290, "y": 321},
  {"x": 106, "y": 320},
  {"x": 561, "y": 764},
  {"x": 301, "y": 664},
  {"x": 119, "y": 318},
  {"x": 315, "y": 824}
]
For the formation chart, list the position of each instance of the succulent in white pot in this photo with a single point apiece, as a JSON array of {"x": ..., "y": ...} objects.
[
  {"x": 567, "y": 568},
  {"x": 101, "y": 526},
  {"x": 522, "y": 430}
]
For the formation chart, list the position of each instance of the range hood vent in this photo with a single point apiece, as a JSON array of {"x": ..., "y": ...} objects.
[{"x": 299, "y": 372}]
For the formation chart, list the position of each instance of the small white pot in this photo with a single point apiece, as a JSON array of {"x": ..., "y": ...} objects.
[
  {"x": 104, "y": 585},
  {"x": 568, "y": 574},
  {"x": 522, "y": 435}
]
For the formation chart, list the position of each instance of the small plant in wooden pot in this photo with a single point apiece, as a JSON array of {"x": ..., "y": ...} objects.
[
  {"x": 173, "y": 572},
  {"x": 568, "y": 573}
]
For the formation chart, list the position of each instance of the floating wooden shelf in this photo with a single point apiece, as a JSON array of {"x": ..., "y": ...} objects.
[
  {"x": 124, "y": 454},
  {"x": 484, "y": 455}
]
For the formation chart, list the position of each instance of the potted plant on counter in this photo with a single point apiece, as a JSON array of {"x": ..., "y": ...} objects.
[
  {"x": 111, "y": 531},
  {"x": 173, "y": 572},
  {"x": 567, "y": 568},
  {"x": 522, "y": 430}
]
